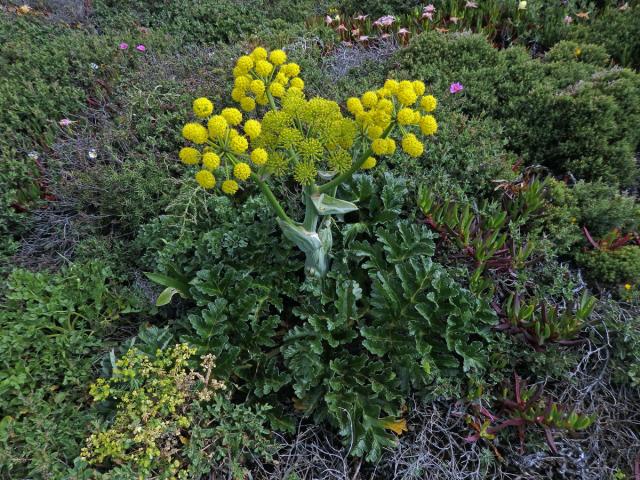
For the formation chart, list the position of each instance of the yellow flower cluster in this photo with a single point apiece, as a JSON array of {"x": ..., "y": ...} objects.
[
  {"x": 397, "y": 105},
  {"x": 298, "y": 136},
  {"x": 261, "y": 76}
]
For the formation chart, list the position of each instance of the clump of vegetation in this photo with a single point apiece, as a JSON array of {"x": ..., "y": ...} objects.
[
  {"x": 310, "y": 141},
  {"x": 341, "y": 282}
]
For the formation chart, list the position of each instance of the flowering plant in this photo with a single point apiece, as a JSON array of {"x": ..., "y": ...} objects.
[{"x": 309, "y": 141}]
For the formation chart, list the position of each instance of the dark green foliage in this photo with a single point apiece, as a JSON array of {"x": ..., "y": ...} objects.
[
  {"x": 371, "y": 341},
  {"x": 54, "y": 327},
  {"x": 386, "y": 322},
  {"x": 570, "y": 116},
  {"x": 440, "y": 60},
  {"x": 572, "y": 51},
  {"x": 466, "y": 155},
  {"x": 597, "y": 206},
  {"x": 208, "y": 21},
  {"x": 376, "y": 8},
  {"x": 618, "y": 31},
  {"x": 617, "y": 266}
]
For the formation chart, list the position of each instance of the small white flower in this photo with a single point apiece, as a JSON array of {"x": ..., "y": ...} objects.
[
  {"x": 94, "y": 66},
  {"x": 33, "y": 155},
  {"x": 92, "y": 153},
  {"x": 522, "y": 5}
]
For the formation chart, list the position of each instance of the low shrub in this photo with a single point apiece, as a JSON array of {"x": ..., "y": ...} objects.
[
  {"x": 171, "y": 419},
  {"x": 616, "y": 30},
  {"x": 567, "y": 51},
  {"x": 55, "y": 327},
  {"x": 598, "y": 207},
  {"x": 613, "y": 267},
  {"x": 568, "y": 115},
  {"x": 202, "y": 22}
]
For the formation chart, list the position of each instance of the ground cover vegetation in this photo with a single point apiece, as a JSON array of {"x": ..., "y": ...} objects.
[{"x": 289, "y": 240}]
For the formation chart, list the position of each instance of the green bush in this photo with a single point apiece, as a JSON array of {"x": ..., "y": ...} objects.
[
  {"x": 618, "y": 31},
  {"x": 597, "y": 206},
  {"x": 618, "y": 266},
  {"x": 208, "y": 21},
  {"x": 465, "y": 157},
  {"x": 568, "y": 115},
  {"x": 376, "y": 8},
  {"x": 54, "y": 327},
  {"x": 440, "y": 60},
  {"x": 566, "y": 51}
]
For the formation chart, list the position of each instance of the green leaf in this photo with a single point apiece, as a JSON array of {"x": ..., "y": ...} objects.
[
  {"x": 165, "y": 296},
  {"x": 178, "y": 284},
  {"x": 327, "y": 205}
]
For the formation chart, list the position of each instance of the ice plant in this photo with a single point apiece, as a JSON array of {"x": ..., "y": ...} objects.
[
  {"x": 123, "y": 46},
  {"x": 311, "y": 141}
]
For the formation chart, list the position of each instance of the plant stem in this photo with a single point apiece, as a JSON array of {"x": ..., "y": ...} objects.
[
  {"x": 272, "y": 102},
  {"x": 343, "y": 177},
  {"x": 275, "y": 205},
  {"x": 310, "y": 213}
]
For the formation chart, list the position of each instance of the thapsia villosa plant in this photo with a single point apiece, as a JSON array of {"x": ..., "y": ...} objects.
[{"x": 308, "y": 140}]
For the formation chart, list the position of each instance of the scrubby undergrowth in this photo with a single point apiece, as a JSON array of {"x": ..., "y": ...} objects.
[{"x": 479, "y": 314}]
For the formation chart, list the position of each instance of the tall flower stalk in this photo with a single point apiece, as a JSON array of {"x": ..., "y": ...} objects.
[{"x": 308, "y": 141}]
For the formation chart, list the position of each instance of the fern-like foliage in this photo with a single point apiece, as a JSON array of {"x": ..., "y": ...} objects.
[
  {"x": 386, "y": 322},
  {"x": 365, "y": 345}
]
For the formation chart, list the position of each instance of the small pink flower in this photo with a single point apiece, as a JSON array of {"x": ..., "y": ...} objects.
[
  {"x": 471, "y": 5},
  {"x": 403, "y": 31},
  {"x": 361, "y": 18},
  {"x": 363, "y": 38},
  {"x": 341, "y": 28},
  {"x": 65, "y": 122},
  {"x": 428, "y": 11},
  {"x": 328, "y": 20},
  {"x": 141, "y": 48},
  {"x": 454, "y": 20},
  {"x": 568, "y": 20},
  {"x": 123, "y": 46},
  {"x": 456, "y": 87},
  {"x": 385, "y": 21}
]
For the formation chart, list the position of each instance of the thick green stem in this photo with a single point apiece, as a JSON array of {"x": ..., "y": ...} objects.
[
  {"x": 272, "y": 102},
  {"x": 310, "y": 213},
  {"x": 277, "y": 208},
  {"x": 343, "y": 177}
]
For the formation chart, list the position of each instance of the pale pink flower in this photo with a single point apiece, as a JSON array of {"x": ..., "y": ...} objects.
[
  {"x": 428, "y": 11},
  {"x": 328, "y": 20},
  {"x": 65, "y": 122},
  {"x": 361, "y": 18},
  {"x": 568, "y": 20},
  {"x": 363, "y": 38},
  {"x": 141, "y": 48},
  {"x": 123, "y": 46},
  {"x": 454, "y": 20},
  {"x": 341, "y": 28},
  {"x": 403, "y": 31},
  {"x": 385, "y": 21}
]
